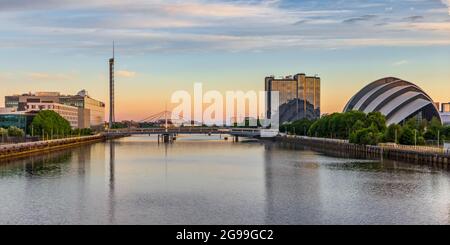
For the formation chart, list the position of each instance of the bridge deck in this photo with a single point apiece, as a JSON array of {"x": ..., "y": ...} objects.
[{"x": 244, "y": 132}]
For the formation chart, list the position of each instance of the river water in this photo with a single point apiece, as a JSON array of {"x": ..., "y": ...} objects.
[{"x": 206, "y": 180}]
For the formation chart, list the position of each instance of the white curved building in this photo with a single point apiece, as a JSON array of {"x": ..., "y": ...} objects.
[{"x": 395, "y": 98}]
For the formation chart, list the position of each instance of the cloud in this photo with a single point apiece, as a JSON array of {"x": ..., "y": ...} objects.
[
  {"x": 146, "y": 26},
  {"x": 125, "y": 74},
  {"x": 42, "y": 76},
  {"x": 414, "y": 18},
  {"x": 360, "y": 19},
  {"x": 447, "y": 3},
  {"x": 400, "y": 63}
]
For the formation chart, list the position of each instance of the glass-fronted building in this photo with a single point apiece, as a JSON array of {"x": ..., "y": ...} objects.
[
  {"x": 299, "y": 97},
  {"x": 20, "y": 120}
]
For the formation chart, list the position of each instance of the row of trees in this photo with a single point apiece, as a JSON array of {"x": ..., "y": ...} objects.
[
  {"x": 370, "y": 129},
  {"x": 50, "y": 124}
]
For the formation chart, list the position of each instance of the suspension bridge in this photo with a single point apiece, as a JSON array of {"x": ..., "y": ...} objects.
[{"x": 166, "y": 126}]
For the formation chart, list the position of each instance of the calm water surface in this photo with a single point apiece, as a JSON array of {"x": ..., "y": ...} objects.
[{"x": 205, "y": 180}]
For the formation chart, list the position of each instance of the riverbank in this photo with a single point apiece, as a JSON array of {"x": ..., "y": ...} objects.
[
  {"x": 436, "y": 158},
  {"x": 30, "y": 148}
]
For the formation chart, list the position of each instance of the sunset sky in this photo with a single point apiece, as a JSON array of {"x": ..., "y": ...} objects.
[{"x": 164, "y": 46}]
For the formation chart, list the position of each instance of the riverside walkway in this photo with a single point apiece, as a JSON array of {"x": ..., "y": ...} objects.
[{"x": 19, "y": 149}]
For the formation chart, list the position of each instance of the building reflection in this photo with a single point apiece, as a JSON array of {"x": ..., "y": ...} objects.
[
  {"x": 290, "y": 187},
  {"x": 111, "y": 196}
]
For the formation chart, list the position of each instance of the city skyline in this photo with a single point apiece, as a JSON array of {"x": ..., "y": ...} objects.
[{"x": 164, "y": 46}]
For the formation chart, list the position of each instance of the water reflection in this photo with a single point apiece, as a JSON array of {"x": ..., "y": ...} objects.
[
  {"x": 46, "y": 165},
  {"x": 112, "y": 158},
  {"x": 206, "y": 180}
]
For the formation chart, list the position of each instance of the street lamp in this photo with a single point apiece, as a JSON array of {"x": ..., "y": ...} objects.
[{"x": 415, "y": 137}]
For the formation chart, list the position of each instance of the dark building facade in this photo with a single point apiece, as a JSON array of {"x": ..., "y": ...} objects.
[{"x": 299, "y": 97}]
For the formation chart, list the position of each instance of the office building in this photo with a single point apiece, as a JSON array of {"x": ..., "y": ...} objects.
[
  {"x": 20, "y": 120},
  {"x": 70, "y": 113},
  {"x": 395, "y": 98},
  {"x": 92, "y": 108},
  {"x": 299, "y": 97},
  {"x": 96, "y": 108}
]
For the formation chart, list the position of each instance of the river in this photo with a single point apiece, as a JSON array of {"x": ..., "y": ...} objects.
[{"x": 207, "y": 180}]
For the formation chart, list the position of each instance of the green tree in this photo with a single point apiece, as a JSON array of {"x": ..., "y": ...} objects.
[
  {"x": 49, "y": 122},
  {"x": 377, "y": 119},
  {"x": 300, "y": 127},
  {"x": 366, "y": 136},
  {"x": 407, "y": 136},
  {"x": 358, "y": 126},
  {"x": 82, "y": 132},
  {"x": 446, "y": 132},
  {"x": 433, "y": 128},
  {"x": 392, "y": 133}
]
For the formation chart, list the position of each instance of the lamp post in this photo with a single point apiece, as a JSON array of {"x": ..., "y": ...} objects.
[
  {"x": 415, "y": 137},
  {"x": 395, "y": 136},
  {"x": 438, "y": 143}
]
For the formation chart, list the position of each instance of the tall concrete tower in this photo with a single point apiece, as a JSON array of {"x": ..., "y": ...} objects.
[{"x": 111, "y": 90}]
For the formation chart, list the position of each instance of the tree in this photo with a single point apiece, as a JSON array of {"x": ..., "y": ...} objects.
[
  {"x": 15, "y": 132},
  {"x": 367, "y": 136},
  {"x": 358, "y": 126},
  {"x": 82, "y": 132},
  {"x": 392, "y": 133},
  {"x": 50, "y": 122},
  {"x": 407, "y": 136},
  {"x": 446, "y": 132},
  {"x": 299, "y": 127},
  {"x": 377, "y": 119},
  {"x": 434, "y": 128}
]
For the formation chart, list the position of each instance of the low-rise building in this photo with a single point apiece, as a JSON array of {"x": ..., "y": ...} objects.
[
  {"x": 20, "y": 120},
  {"x": 70, "y": 113},
  {"x": 445, "y": 116},
  {"x": 91, "y": 115}
]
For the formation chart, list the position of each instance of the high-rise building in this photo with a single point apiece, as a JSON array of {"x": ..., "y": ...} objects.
[
  {"x": 94, "y": 109},
  {"x": 111, "y": 90},
  {"x": 438, "y": 105},
  {"x": 299, "y": 97}
]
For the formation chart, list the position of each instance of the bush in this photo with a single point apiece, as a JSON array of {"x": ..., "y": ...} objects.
[
  {"x": 3, "y": 132},
  {"x": 82, "y": 132},
  {"x": 15, "y": 132},
  {"x": 299, "y": 127}
]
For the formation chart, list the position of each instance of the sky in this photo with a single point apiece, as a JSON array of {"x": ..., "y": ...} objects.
[{"x": 165, "y": 46}]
